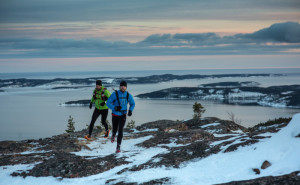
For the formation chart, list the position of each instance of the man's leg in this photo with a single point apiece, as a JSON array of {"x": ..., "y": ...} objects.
[
  {"x": 94, "y": 118},
  {"x": 115, "y": 124},
  {"x": 103, "y": 121},
  {"x": 103, "y": 118},
  {"x": 122, "y": 121}
]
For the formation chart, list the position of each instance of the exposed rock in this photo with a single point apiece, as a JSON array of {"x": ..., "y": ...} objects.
[
  {"x": 8, "y": 147},
  {"x": 290, "y": 179},
  {"x": 185, "y": 137},
  {"x": 70, "y": 166},
  {"x": 235, "y": 146},
  {"x": 224, "y": 126},
  {"x": 83, "y": 145},
  {"x": 160, "y": 124},
  {"x": 266, "y": 164},
  {"x": 178, "y": 127},
  {"x": 256, "y": 170},
  {"x": 271, "y": 125},
  {"x": 156, "y": 181},
  {"x": 23, "y": 158}
]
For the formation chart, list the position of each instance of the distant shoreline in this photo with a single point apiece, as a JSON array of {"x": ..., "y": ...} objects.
[{"x": 107, "y": 81}]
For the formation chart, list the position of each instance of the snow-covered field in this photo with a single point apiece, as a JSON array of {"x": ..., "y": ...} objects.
[{"x": 282, "y": 150}]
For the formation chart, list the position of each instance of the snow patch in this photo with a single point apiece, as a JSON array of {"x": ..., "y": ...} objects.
[
  {"x": 72, "y": 105},
  {"x": 108, "y": 80},
  {"x": 210, "y": 125},
  {"x": 147, "y": 130},
  {"x": 102, "y": 147},
  {"x": 244, "y": 94},
  {"x": 287, "y": 92}
]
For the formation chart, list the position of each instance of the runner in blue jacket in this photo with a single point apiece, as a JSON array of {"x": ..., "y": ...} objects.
[{"x": 117, "y": 102}]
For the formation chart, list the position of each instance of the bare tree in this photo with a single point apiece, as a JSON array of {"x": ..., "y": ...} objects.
[{"x": 233, "y": 118}]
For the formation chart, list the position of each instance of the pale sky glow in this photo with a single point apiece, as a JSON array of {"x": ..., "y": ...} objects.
[
  {"x": 131, "y": 32},
  {"x": 153, "y": 63}
]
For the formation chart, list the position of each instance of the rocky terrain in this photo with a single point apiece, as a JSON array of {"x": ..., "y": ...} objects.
[{"x": 178, "y": 142}]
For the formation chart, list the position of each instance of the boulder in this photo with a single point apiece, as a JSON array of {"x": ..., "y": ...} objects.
[{"x": 266, "y": 164}]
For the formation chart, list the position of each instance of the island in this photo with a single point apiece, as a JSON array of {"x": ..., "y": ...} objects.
[{"x": 235, "y": 93}]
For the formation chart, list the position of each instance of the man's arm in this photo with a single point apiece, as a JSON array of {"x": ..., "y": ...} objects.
[
  {"x": 131, "y": 102},
  {"x": 110, "y": 101},
  {"x": 93, "y": 99},
  {"x": 107, "y": 93}
]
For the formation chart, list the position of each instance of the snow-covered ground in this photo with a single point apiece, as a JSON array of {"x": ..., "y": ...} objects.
[{"x": 282, "y": 150}]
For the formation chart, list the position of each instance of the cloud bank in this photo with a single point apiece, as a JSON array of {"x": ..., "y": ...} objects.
[
  {"x": 278, "y": 38},
  {"x": 37, "y": 11}
]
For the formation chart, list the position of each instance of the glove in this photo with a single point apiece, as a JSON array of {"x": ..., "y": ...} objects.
[
  {"x": 129, "y": 113},
  {"x": 91, "y": 104},
  {"x": 102, "y": 104},
  {"x": 118, "y": 108}
]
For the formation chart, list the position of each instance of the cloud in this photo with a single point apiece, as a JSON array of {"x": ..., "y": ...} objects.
[
  {"x": 59, "y": 44},
  {"x": 36, "y": 11},
  {"x": 288, "y": 32},
  {"x": 281, "y": 37}
]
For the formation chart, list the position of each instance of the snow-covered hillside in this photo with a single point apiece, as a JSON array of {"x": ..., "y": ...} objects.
[{"x": 210, "y": 152}]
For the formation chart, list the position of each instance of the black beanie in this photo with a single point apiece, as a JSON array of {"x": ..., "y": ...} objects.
[
  {"x": 99, "y": 82},
  {"x": 123, "y": 83}
]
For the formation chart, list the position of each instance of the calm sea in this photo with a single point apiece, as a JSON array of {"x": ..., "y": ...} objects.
[{"x": 32, "y": 113}]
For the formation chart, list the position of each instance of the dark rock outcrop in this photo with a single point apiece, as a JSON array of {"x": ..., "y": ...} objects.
[
  {"x": 290, "y": 179},
  {"x": 256, "y": 170},
  {"x": 266, "y": 164}
]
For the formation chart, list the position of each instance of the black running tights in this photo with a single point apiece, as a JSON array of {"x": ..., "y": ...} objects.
[
  {"x": 118, "y": 125},
  {"x": 96, "y": 114}
]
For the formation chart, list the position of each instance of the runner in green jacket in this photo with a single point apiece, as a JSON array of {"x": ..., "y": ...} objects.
[{"x": 100, "y": 95}]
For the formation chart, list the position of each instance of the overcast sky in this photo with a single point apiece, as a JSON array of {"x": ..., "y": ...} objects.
[{"x": 79, "y": 35}]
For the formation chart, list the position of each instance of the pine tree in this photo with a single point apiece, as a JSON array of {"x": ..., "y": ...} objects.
[
  {"x": 198, "y": 110},
  {"x": 71, "y": 127}
]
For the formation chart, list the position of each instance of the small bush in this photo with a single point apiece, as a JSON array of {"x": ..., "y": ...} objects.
[
  {"x": 131, "y": 124},
  {"x": 100, "y": 127},
  {"x": 109, "y": 125}
]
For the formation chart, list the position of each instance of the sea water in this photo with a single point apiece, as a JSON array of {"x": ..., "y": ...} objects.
[{"x": 34, "y": 112}]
